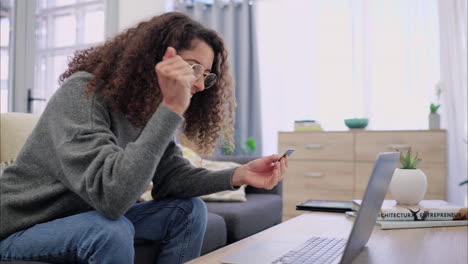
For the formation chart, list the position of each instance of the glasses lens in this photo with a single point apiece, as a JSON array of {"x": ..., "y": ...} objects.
[
  {"x": 210, "y": 80},
  {"x": 198, "y": 70}
]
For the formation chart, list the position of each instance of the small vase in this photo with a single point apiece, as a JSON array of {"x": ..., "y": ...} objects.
[
  {"x": 408, "y": 186},
  {"x": 434, "y": 121}
]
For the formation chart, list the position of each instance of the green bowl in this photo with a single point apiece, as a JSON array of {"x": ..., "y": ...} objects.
[{"x": 356, "y": 122}]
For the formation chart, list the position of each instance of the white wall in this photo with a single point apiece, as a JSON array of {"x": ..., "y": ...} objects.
[{"x": 131, "y": 12}]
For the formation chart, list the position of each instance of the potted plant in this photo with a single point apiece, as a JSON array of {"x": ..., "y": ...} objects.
[
  {"x": 434, "y": 117},
  {"x": 465, "y": 181},
  {"x": 250, "y": 146},
  {"x": 227, "y": 149},
  {"x": 249, "y": 149},
  {"x": 409, "y": 184}
]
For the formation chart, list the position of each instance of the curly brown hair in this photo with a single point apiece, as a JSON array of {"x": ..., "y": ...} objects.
[{"x": 124, "y": 69}]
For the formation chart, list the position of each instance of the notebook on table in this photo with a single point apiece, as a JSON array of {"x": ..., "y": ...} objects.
[{"x": 325, "y": 206}]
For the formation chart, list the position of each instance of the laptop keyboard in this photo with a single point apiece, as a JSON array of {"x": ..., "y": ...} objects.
[{"x": 315, "y": 250}]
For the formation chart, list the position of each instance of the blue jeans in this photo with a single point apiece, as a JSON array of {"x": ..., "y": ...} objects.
[{"x": 175, "y": 226}]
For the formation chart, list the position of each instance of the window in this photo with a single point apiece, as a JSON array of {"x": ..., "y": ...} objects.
[
  {"x": 6, "y": 18},
  {"x": 342, "y": 59},
  {"x": 62, "y": 27},
  {"x": 45, "y": 34}
]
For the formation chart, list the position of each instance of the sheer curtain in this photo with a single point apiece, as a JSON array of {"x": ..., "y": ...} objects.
[
  {"x": 331, "y": 60},
  {"x": 453, "y": 50}
]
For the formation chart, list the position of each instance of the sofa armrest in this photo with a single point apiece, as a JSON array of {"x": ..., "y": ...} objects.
[
  {"x": 277, "y": 190},
  {"x": 243, "y": 160}
]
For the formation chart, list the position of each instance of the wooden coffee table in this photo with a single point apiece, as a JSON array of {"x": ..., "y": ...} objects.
[{"x": 421, "y": 245}]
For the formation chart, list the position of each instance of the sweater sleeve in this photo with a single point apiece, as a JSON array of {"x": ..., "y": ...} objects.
[
  {"x": 176, "y": 177},
  {"x": 106, "y": 176}
]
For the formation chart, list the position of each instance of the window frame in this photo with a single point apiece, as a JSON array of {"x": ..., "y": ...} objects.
[
  {"x": 9, "y": 51},
  {"x": 23, "y": 48}
]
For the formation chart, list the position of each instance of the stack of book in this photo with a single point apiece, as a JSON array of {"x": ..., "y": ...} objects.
[
  {"x": 428, "y": 213},
  {"x": 307, "y": 125}
]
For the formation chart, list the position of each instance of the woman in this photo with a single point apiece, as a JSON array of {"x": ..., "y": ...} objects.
[{"x": 108, "y": 132}]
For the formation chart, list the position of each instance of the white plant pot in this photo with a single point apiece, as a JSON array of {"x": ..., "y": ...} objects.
[
  {"x": 434, "y": 121},
  {"x": 408, "y": 186}
]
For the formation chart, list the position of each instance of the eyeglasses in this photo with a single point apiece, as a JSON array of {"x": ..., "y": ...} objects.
[{"x": 209, "y": 78}]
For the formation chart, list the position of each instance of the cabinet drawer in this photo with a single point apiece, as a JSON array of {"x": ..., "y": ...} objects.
[
  {"x": 434, "y": 171},
  {"x": 318, "y": 145},
  {"x": 429, "y": 145},
  {"x": 321, "y": 176},
  {"x": 321, "y": 180}
]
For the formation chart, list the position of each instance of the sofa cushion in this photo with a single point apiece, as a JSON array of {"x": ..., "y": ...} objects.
[
  {"x": 215, "y": 235},
  {"x": 15, "y": 129},
  {"x": 260, "y": 212},
  {"x": 224, "y": 196}
]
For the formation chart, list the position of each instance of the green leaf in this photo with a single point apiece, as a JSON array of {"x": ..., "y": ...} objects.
[
  {"x": 251, "y": 144},
  {"x": 227, "y": 149},
  {"x": 409, "y": 160},
  {"x": 434, "y": 108}
]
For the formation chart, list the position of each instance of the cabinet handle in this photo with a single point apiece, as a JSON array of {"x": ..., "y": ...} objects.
[
  {"x": 313, "y": 174},
  {"x": 312, "y": 146},
  {"x": 399, "y": 146}
]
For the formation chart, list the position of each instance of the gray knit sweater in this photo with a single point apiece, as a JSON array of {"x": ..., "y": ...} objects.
[{"x": 82, "y": 156}]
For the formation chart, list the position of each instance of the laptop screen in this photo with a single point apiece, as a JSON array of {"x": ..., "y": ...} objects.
[{"x": 371, "y": 204}]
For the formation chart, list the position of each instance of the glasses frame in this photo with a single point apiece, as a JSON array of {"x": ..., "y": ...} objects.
[{"x": 204, "y": 74}]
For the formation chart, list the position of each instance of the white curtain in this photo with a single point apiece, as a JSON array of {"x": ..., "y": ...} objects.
[
  {"x": 453, "y": 67},
  {"x": 331, "y": 60}
]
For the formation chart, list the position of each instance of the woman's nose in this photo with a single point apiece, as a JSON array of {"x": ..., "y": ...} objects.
[{"x": 200, "y": 84}]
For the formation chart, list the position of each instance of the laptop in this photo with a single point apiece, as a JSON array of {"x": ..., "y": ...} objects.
[{"x": 295, "y": 248}]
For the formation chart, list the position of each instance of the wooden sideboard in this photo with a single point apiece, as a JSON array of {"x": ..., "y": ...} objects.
[{"x": 336, "y": 165}]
